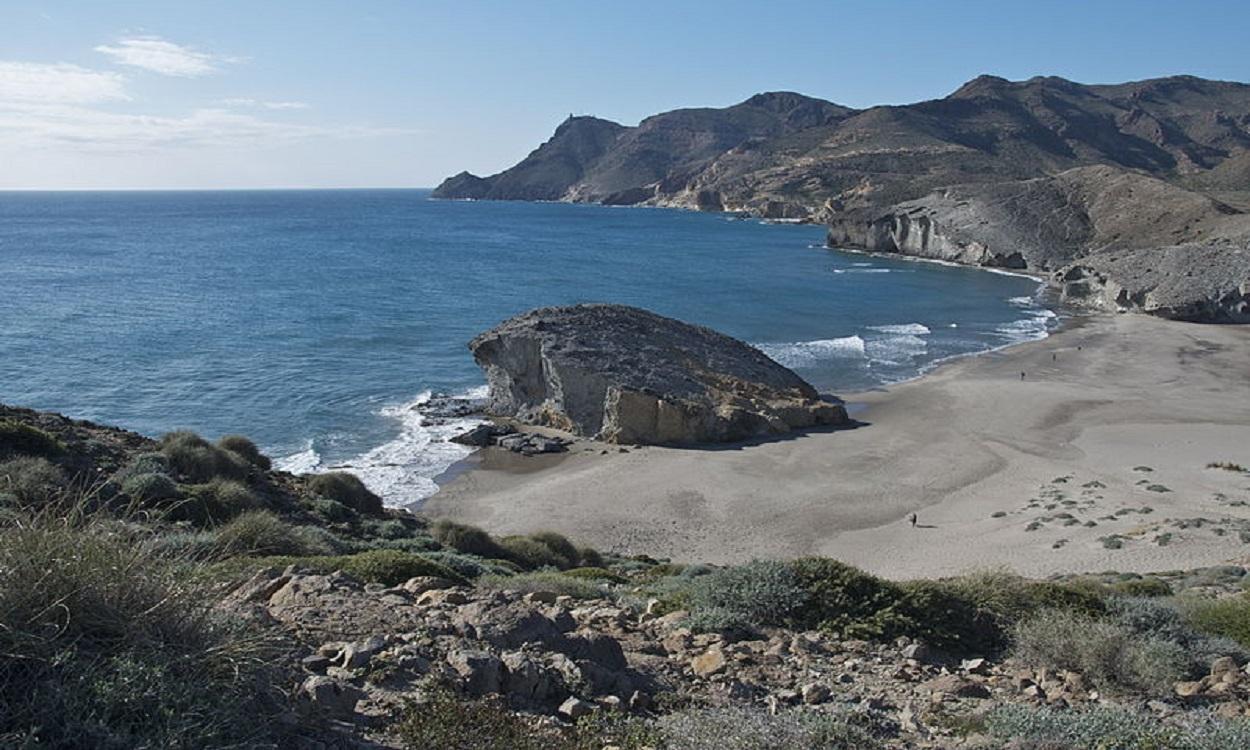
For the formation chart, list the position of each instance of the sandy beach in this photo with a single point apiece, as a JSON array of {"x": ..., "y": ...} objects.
[{"x": 1095, "y": 460}]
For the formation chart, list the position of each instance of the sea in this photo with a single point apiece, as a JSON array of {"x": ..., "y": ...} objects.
[{"x": 327, "y": 324}]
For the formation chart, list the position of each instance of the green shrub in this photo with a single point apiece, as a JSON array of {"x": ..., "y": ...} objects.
[
  {"x": 471, "y": 566},
  {"x": 408, "y": 544},
  {"x": 150, "y": 488},
  {"x": 753, "y": 728},
  {"x": 560, "y": 546},
  {"x": 464, "y": 538},
  {"x": 1161, "y": 619},
  {"x": 1009, "y": 598},
  {"x": 389, "y": 567},
  {"x": 31, "y": 480},
  {"x": 1111, "y": 655},
  {"x": 20, "y": 439},
  {"x": 331, "y": 510},
  {"x": 449, "y": 722},
  {"x": 589, "y": 557},
  {"x": 595, "y": 574},
  {"x": 185, "y": 545},
  {"x": 849, "y": 602},
  {"x": 547, "y": 581},
  {"x": 1142, "y": 587},
  {"x": 144, "y": 463},
  {"x": 346, "y": 489},
  {"x": 1111, "y": 728},
  {"x": 214, "y": 502},
  {"x": 196, "y": 460},
  {"x": 1228, "y": 617},
  {"x": 261, "y": 533},
  {"x": 104, "y": 645},
  {"x": 245, "y": 449},
  {"x": 530, "y": 554},
  {"x": 759, "y": 593}
]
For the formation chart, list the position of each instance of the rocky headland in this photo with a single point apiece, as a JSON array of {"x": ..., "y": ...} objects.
[
  {"x": 620, "y": 374},
  {"x": 1033, "y": 175}
]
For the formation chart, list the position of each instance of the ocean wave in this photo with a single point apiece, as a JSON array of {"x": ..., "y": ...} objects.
[
  {"x": 865, "y": 270},
  {"x": 1036, "y": 326},
  {"x": 402, "y": 470},
  {"x": 808, "y": 353},
  {"x": 912, "y": 329},
  {"x": 895, "y": 350}
]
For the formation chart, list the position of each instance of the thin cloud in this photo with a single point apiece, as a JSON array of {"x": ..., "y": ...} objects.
[
  {"x": 262, "y": 104},
  {"x": 159, "y": 56},
  {"x": 58, "y": 83},
  {"x": 90, "y": 129}
]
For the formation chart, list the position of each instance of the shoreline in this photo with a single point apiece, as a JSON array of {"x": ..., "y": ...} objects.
[{"x": 1043, "y": 475}]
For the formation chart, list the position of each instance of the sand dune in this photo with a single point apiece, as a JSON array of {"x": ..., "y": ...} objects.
[{"x": 1096, "y": 460}]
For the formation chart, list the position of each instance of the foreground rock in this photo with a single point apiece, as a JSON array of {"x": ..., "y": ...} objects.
[{"x": 625, "y": 375}]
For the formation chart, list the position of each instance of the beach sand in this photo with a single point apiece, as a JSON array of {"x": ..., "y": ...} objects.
[{"x": 1095, "y": 461}]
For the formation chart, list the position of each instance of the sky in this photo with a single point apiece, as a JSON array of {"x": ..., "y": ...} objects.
[{"x": 402, "y": 93}]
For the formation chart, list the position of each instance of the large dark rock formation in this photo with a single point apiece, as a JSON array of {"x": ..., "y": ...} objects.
[{"x": 625, "y": 375}]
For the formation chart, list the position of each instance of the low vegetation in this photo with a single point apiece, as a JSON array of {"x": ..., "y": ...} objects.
[{"x": 109, "y": 635}]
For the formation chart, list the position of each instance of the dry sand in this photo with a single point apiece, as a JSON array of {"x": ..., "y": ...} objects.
[{"x": 1115, "y": 436}]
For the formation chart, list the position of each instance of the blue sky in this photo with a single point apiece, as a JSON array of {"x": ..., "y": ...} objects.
[{"x": 269, "y": 93}]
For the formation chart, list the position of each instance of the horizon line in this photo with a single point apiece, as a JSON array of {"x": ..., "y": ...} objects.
[{"x": 198, "y": 189}]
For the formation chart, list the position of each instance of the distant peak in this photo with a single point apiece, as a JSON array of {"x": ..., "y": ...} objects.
[{"x": 780, "y": 101}]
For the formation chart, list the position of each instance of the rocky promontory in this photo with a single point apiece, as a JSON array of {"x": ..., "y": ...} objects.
[{"x": 625, "y": 375}]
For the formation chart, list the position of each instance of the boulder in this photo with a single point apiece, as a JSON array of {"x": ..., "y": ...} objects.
[
  {"x": 481, "y": 671},
  {"x": 330, "y": 697},
  {"x": 625, "y": 375}
]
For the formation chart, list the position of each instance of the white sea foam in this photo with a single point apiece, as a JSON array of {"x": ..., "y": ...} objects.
[
  {"x": 913, "y": 329},
  {"x": 895, "y": 350},
  {"x": 402, "y": 470},
  {"x": 809, "y": 353},
  {"x": 864, "y": 270}
]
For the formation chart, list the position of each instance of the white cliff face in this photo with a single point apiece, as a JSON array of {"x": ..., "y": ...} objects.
[
  {"x": 624, "y": 375},
  {"x": 1183, "y": 282}
]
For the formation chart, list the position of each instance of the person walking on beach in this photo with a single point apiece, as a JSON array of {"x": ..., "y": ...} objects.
[
  {"x": 913, "y": 520},
  {"x": 1022, "y": 374}
]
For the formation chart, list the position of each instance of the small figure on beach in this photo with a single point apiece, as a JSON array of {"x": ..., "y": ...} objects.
[
  {"x": 1053, "y": 356},
  {"x": 1022, "y": 374},
  {"x": 913, "y": 520}
]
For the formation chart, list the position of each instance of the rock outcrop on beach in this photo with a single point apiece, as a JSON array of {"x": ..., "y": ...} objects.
[
  {"x": 625, "y": 375},
  {"x": 1032, "y": 175}
]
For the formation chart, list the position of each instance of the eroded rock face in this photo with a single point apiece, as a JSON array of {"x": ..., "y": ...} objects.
[{"x": 626, "y": 375}]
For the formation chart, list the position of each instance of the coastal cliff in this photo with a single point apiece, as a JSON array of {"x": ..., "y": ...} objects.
[{"x": 1029, "y": 175}]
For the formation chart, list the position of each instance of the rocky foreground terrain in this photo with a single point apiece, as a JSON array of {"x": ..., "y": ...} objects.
[
  {"x": 621, "y": 374},
  {"x": 180, "y": 593},
  {"x": 1044, "y": 175}
]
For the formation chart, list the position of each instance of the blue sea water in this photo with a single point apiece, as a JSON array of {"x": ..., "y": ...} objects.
[{"x": 318, "y": 322}]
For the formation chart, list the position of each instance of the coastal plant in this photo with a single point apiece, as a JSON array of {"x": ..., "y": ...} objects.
[
  {"x": 1109, "y": 654},
  {"x": 759, "y": 593},
  {"x": 1166, "y": 620},
  {"x": 593, "y": 573},
  {"x": 530, "y": 553},
  {"x": 261, "y": 533},
  {"x": 1107, "y": 727},
  {"x": 245, "y": 449},
  {"x": 347, "y": 489},
  {"x": 464, "y": 538},
  {"x": 150, "y": 488},
  {"x": 559, "y": 546},
  {"x": 21, "y": 439},
  {"x": 31, "y": 480},
  {"x": 1228, "y": 617},
  {"x": 105, "y": 644},
  {"x": 469, "y": 566},
  {"x": 589, "y": 557},
  {"x": 195, "y": 460},
  {"x": 449, "y": 722},
  {"x": 214, "y": 502},
  {"x": 753, "y": 728},
  {"x": 548, "y": 581},
  {"x": 330, "y": 510},
  {"x": 144, "y": 463}
]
